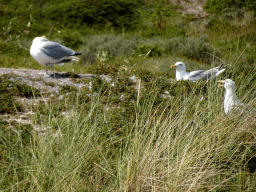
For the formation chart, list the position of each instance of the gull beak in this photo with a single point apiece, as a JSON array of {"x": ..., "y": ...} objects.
[
  {"x": 43, "y": 36},
  {"x": 221, "y": 81},
  {"x": 173, "y": 66}
]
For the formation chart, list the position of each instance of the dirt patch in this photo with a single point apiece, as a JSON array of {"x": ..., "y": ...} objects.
[
  {"x": 48, "y": 86},
  {"x": 50, "y": 83},
  {"x": 194, "y": 7}
]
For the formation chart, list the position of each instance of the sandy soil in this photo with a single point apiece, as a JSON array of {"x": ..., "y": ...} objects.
[{"x": 191, "y": 7}]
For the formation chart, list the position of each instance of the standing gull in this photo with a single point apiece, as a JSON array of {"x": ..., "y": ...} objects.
[
  {"x": 231, "y": 102},
  {"x": 48, "y": 53},
  {"x": 181, "y": 73}
]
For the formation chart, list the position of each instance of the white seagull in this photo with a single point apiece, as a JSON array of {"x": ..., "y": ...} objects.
[
  {"x": 48, "y": 53},
  {"x": 181, "y": 73},
  {"x": 231, "y": 102}
]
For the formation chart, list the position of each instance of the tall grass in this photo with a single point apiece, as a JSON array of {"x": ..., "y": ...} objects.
[
  {"x": 162, "y": 136},
  {"x": 183, "y": 143}
]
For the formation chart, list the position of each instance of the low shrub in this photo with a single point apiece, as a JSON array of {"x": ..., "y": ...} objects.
[
  {"x": 221, "y": 26},
  {"x": 233, "y": 13},
  {"x": 216, "y": 6},
  {"x": 148, "y": 50},
  {"x": 113, "y": 45},
  {"x": 118, "y": 13},
  {"x": 71, "y": 40},
  {"x": 195, "y": 48}
]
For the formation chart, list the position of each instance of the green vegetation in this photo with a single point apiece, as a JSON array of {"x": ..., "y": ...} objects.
[
  {"x": 152, "y": 134},
  {"x": 216, "y": 6},
  {"x": 9, "y": 89}
]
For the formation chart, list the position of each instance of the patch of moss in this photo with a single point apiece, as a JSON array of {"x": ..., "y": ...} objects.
[
  {"x": 8, "y": 89},
  {"x": 72, "y": 75}
]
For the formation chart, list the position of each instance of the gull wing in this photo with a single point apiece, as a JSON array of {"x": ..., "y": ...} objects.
[
  {"x": 210, "y": 74},
  {"x": 56, "y": 50},
  {"x": 201, "y": 74},
  {"x": 195, "y": 75}
]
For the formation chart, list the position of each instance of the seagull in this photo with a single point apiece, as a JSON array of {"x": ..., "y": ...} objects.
[
  {"x": 194, "y": 76},
  {"x": 231, "y": 102},
  {"x": 48, "y": 53}
]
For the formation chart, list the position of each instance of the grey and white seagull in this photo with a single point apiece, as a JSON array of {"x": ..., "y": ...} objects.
[
  {"x": 194, "y": 76},
  {"x": 231, "y": 102},
  {"x": 49, "y": 53}
]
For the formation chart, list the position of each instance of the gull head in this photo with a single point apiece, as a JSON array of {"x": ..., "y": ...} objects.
[
  {"x": 39, "y": 39},
  {"x": 180, "y": 66},
  {"x": 228, "y": 84}
]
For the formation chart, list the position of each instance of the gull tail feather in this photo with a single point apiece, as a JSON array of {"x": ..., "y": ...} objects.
[
  {"x": 73, "y": 58},
  {"x": 70, "y": 59},
  {"x": 221, "y": 66},
  {"x": 76, "y": 53},
  {"x": 219, "y": 72}
]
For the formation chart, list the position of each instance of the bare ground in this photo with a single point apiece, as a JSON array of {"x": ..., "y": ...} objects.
[
  {"x": 48, "y": 85},
  {"x": 194, "y": 7}
]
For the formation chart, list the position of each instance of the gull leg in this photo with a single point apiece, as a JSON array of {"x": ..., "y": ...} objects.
[
  {"x": 45, "y": 71},
  {"x": 53, "y": 72},
  {"x": 46, "y": 74}
]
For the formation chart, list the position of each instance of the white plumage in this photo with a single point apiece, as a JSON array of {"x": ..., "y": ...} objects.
[
  {"x": 181, "y": 73},
  {"x": 48, "y": 53},
  {"x": 231, "y": 102}
]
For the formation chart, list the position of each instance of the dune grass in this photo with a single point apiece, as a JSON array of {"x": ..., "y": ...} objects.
[
  {"x": 183, "y": 142},
  {"x": 153, "y": 135}
]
